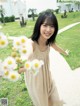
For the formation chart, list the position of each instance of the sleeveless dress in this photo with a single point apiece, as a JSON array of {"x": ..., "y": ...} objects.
[{"x": 42, "y": 88}]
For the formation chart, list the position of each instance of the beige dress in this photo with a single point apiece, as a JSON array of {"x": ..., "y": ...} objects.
[{"x": 41, "y": 87}]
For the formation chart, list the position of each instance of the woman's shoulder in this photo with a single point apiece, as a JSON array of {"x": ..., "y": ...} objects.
[
  {"x": 32, "y": 43},
  {"x": 54, "y": 45}
]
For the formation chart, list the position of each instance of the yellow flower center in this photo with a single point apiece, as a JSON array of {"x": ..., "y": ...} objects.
[
  {"x": 18, "y": 43},
  {"x": 9, "y": 62},
  {"x": 24, "y": 51},
  {"x": 36, "y": 65},
  {"x": 27, "y": 65},
  {"x": 2, "y": 42},
  {"x": 13, "y": 76},
  {"x": 6, "y": 73},
  {"x": 23, "y": 40},
  {"x": 5, "y": 67}
]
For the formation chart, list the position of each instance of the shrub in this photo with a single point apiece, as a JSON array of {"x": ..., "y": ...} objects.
[
  {"x": 8, "y": 19},
  {"x": 12, "y": 18}
]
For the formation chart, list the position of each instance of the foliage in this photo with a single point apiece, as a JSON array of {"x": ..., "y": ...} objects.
[
  {"x": 57, "y": 11},
  {"x": 32, "y": 13},
  {"x": 8, "y": 19},
  {"x": 2, "y": 12}
]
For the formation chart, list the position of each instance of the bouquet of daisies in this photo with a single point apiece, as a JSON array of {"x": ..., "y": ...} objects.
[{"x": 21, "y": 49}]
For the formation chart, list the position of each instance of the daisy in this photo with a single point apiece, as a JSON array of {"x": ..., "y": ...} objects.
[
  {"x": 23, "y": 40},
  {"x": 3, "y": 43},
  {"x": 36, "y": 64},
  {"x": 4, "y": 66},
  {"x": 14, "y": 76},
  {"x": 3, "y": 40},
  {"x": 10, "y": 62},
  {"x": 6, "y": 73},
  {"x": 16, "y": 43},
  {"x": 27, "y": 65},
  {"x": 24, "y": 52}
]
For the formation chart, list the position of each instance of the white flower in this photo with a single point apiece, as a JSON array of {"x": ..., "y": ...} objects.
[
  {"x": 5, "y": 69},
  {"x": 36, "y": 64},
  {"x": 4, "y": 66},
  {"x": 33, "y": 66},
  {"x": 23, "y": 57},
  {"x": 10, "y": 62},
  {"x": 3, "y": 43},
  {"x": 6, "y": 73},
  {"x": 3, "y": 40},
  {"x": 17, "y": 43},
  {"x": 25, "y": 52},
  {"x": 23, "y": 40},
  {"x": 27, "y": 65},
  {"x": 14, "y": 76}
]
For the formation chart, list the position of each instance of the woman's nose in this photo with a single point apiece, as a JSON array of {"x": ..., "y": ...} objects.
[{"x": 48, "y": 28}]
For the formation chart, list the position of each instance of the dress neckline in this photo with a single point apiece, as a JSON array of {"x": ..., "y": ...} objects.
[{"x": 39, "y": 48}]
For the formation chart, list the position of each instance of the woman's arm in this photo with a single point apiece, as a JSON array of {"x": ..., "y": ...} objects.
[{"x": 60, "y": 50}]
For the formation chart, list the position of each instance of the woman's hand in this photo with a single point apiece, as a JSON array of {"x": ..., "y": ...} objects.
[
  {"x": 22, "y": 69},
  {"x": 67, "y": 52}
]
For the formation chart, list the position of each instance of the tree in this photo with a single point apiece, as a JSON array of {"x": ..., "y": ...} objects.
[
  {"x": 22, "y": 21},
  {"x": 33, "y": 12},
  {"x": 2, "y": 12}
]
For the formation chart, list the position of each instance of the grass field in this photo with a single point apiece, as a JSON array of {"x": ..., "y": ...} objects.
[{"x": 17, "y": 92}]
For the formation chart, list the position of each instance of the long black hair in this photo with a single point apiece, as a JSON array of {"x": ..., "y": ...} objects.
[{"x": 51, "y": 19}]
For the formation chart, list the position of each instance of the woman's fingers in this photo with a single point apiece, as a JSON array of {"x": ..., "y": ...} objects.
[{"x": 22, "y": 69}]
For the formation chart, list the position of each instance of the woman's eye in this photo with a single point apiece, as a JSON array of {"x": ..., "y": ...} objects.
[{"x": 51, "y": 26}]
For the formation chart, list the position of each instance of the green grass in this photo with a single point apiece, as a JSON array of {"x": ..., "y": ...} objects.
[
  {"x": 71, "y": 18},
  {"x": 14, "y": 29},
  {"x": 70, "y": 39},
  {"x": 17, "y": 93}
]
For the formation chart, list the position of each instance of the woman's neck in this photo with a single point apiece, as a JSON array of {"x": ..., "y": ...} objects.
[{"x": 42, "y": 42}]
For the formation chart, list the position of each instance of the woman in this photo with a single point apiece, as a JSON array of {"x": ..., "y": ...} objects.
[
  {"x": 42, "y": 88},
  {"x": 52, "y": 86}
]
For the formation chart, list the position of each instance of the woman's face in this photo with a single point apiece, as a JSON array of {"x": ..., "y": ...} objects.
[{"x": 46, "y": 31}]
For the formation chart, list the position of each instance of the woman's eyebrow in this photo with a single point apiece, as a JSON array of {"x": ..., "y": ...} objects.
[{"x": 48, "y": 24}]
